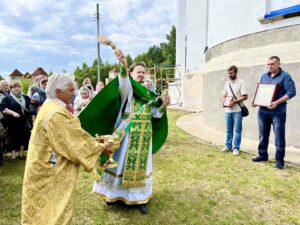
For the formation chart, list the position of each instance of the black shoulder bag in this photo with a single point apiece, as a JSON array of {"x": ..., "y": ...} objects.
[{"x": 245, "y": 111}]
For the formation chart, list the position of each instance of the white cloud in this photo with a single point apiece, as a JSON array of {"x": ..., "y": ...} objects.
[
  {"x": 116, "y": 11},
  {"x": 143, "y": 26},
  {"x": 86, "y": 8},
  {"x": 84, "y": 37},
  {"x": 18, "y": 8},
  {"x": 62, "y": 34},
  {"x": 9, "y": 34},
  {"x": 52, "y": 25}
]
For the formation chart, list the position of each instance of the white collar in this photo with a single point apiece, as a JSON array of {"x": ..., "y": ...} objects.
[{"x": 56, "y": 101}]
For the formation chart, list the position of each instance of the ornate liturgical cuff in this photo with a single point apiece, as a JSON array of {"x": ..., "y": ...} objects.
[{"x": 123, "y": 71}]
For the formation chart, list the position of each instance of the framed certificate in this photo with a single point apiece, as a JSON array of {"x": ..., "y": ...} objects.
[{"x": 265, "y": 94}]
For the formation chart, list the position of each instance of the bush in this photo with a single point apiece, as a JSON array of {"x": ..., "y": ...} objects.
[{"x": 25, "y": 83}]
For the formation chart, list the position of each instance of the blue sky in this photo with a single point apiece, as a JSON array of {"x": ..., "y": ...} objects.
[{"x": 59, "y": 35}]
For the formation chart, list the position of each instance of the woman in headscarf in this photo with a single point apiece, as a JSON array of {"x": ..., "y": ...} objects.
[
  {"x": 150, "y": 85},
  {"x": 39, "y": 96},
  {"x": 82, "y": 99},
  {"x": 100, "y": 85},
  {"x": 88, "y": 83},
  {"x": 17, "y": 116}
]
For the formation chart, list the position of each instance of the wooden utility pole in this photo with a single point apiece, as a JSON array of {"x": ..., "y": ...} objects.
[{"x": 98, "y": 44}]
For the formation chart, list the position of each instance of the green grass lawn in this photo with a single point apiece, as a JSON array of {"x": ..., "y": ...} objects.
[{"x": 194, "y": 183}]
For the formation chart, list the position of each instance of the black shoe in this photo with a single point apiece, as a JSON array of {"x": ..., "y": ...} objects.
[
  {"x": 279, "y": 165},
  {"x": 143, "y": 209},
  {"x": 259, "y": 159}
]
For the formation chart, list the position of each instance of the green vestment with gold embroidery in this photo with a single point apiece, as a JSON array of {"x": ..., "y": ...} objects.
[{"x": 131, "y": 181}]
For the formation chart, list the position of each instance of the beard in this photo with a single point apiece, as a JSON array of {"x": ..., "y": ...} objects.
[
  {"x": 140, "y": 79},
  {"x": 232, "y": 77}
]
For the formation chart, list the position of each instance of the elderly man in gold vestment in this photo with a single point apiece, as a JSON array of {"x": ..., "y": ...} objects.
[{"x": 58, "y": 146}]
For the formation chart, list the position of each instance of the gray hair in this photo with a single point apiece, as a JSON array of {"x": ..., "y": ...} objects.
[
  {"x": 3, "y": 82},
  {"x": 58, "y": 81}
]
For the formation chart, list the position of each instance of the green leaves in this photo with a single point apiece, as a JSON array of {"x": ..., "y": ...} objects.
[
  {"x": 91, "y": 72},
  {"x": 165, "y": 53},
  {"x": 162, "y": 54}
]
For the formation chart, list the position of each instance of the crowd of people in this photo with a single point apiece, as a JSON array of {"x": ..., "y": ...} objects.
[
  {"x": 18, "y": 111},
  {"x": 58, "y": 138},
  {"x": 60, "y": 142}
]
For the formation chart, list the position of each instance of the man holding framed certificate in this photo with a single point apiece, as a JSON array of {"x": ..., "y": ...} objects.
[
  {"x": 276, "y": 87},
  {"x": 234, "y": 94}
]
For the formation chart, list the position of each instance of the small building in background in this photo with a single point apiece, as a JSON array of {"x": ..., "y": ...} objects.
[
  {"x": 38, "y": 71},
  {"x": 111, "y": 75},
  {"x": 16, "y": 75},
  {"x": 27, "y": 75}
]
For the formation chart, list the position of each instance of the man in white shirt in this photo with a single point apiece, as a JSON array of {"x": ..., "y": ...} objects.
[{"x": 234, "y": 94}]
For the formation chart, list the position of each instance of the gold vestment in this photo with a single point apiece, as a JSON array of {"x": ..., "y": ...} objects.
[{"x": 49, "y": 188}]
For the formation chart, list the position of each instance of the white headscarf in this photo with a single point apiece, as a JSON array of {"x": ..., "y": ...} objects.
[
  {"x": 152, "y": 88},
  {"x": 85, "y": 88}
]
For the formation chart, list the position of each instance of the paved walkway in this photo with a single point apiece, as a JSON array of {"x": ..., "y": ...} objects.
[{"x": 193, "y": 124}]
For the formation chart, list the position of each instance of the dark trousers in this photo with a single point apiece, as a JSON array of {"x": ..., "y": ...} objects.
[{"x": 264, "y": 124}]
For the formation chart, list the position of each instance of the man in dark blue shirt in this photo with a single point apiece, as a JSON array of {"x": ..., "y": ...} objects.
[{"x": 275, "y": 114}]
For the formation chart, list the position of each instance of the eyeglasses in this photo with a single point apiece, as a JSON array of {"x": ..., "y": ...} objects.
[{"x": 44, "y": 82}]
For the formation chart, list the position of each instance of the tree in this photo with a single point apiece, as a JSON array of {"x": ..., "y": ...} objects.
[
  {"x": 25, "y": 83},
  {"x": 142, "y": 58},
  {"x": 92, "y": 72},
  {"x": 129, "y": 60},
  {"x": 156, "y": 55},
  {"x": 165, "y": 53},
  {"x": 169, "y": 48}
]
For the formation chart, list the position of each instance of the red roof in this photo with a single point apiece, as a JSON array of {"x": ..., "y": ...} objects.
[
  {"x": 16, "y": 73},
  {"x": 39, "y": 71}
]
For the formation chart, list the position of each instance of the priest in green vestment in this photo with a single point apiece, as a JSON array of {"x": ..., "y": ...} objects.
[{"x": 125, "y": 96}]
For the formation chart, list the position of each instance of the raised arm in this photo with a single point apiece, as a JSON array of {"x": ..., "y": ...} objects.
[{"x": 124, "y": 82}]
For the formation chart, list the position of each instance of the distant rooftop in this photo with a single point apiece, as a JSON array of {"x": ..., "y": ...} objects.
[
  {"x": 16, "y": 73},
  {"x": 39, "y": 71}
]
